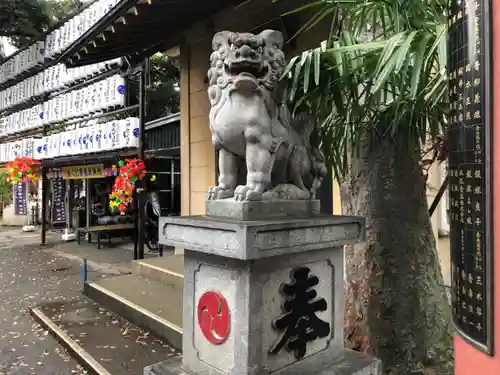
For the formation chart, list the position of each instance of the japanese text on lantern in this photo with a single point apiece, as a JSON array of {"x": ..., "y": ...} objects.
[{"x": 469, "y": 175}]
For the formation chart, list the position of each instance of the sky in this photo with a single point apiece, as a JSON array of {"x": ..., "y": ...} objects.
[{"x": 8, "y": 48}]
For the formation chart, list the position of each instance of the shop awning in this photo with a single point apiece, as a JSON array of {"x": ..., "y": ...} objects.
[{"x": 139, "y": 28}]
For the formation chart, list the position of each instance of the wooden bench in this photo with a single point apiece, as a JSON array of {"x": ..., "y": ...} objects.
[{"x": 101, "y": 228}]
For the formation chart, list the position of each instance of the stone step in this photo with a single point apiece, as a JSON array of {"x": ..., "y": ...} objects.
[
  {"x": 167, "y": 270},
  {"x": 150, "y": 305},
  {"x": 79, "y": 324}
]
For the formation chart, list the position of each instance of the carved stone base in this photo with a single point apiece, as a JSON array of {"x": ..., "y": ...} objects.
[
  {"x": 351, "y": 363},
  {"x": 229, "y": 208},
  {"x": 263, "y": 238},
  {"x": 238, "y": 276}
]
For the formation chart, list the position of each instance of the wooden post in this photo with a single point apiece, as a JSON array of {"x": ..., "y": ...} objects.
[
  {"x": 88, "y": 206},
  {"x": 69, "y": 204},
  {"x": 136, "y": 225},
  {"x": 45, "y": 191},
  {"x": 142, "y": 143}
]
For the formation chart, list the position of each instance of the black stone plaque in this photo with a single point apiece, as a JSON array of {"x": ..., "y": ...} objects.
[
  {"x": 470, "y": 172},
  {"x": 58, "y": 201},
  {"x": 20, "y": 199}
]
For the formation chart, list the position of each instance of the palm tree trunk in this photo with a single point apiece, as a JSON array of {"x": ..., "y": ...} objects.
[{"x": 396, "y": 305}]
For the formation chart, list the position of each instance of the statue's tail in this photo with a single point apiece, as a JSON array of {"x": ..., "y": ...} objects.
[
  {"x": 318, "y": 167},
  {"x": 303, "y": 124}
]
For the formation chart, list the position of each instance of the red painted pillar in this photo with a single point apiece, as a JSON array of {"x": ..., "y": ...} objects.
[{"x": 469, "y": 359}]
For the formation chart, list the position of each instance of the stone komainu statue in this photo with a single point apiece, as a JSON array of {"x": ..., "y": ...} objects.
[{"x": 247, "y": 123}]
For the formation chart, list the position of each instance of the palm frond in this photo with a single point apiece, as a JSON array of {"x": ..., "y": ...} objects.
[{"x": 384, "y": 73}]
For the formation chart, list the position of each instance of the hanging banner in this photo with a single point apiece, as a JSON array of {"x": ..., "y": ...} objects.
[
  {"x": 20, "y": 199},
  {"x": 54, "y": 173},
  {"x": 82, "y": 172},
  {"x": 58, "y": 213},
  {"x": 470, "y": 171}
]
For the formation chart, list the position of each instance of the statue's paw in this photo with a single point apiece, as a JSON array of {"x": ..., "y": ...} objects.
[
  {"x": 225, "y": 193},
  {"x": 217, "y": 192},
  {"x": 213, "y": 192},
  {"x": 246, "y": 193}
]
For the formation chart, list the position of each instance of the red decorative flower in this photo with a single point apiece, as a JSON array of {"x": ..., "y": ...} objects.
[
  {"x": 21, "y": 169},
  {"x": 130, "y": 171}
]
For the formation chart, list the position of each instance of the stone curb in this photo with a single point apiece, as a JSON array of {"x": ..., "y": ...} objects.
[{"x": 84, "y": 358}]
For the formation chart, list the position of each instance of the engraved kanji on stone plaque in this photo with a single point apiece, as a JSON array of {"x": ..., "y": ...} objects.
[{"x": 299, "y": 323}]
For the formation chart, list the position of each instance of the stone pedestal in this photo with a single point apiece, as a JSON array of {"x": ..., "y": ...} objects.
[{"x": 263, "y": 296}]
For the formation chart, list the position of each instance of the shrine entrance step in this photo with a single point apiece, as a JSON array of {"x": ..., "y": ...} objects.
[
  {"x": 165, "y": 270},
  {"x": 150, "y": 297}
]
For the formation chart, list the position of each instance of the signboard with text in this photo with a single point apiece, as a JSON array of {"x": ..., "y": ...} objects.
[
  {"x": 20, "y": 199},
  {"x": 58, "y": 213},
  {"x": 80, "y": 172},
  {"x": 470, "y": 173}
]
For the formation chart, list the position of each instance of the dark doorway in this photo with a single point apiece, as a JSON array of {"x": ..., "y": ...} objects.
[{"x": 167, "y": 184}]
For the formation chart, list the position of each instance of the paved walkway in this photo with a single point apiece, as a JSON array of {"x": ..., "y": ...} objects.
[
  {"x": 29, "y": 276},
  {"x": 113, "y": 260},
  {"x": 50, "y": 277}
]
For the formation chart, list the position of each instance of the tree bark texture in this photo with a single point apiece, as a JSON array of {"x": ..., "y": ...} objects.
[{"x": 396, "y": 304}]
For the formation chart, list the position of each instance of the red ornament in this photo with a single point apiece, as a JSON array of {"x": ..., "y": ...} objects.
[
  {"x": 21, "y": 169},
  {"x": 213, "y": 317},
  {"x": 130, "y": 171}
]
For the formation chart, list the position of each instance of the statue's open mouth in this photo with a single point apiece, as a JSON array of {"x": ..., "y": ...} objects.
[{"x": 246, "y": 68}]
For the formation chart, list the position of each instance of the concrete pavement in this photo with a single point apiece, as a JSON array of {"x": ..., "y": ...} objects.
[
  {"x": 29, "y": 276},
  {"x": 49, "y": 279}
]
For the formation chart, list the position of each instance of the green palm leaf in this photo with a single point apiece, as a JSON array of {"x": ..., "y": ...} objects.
[{"x": 388, "y": 71}]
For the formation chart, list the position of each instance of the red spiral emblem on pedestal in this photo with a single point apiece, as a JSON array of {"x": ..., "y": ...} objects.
[{"x": 213, "y": 317}]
